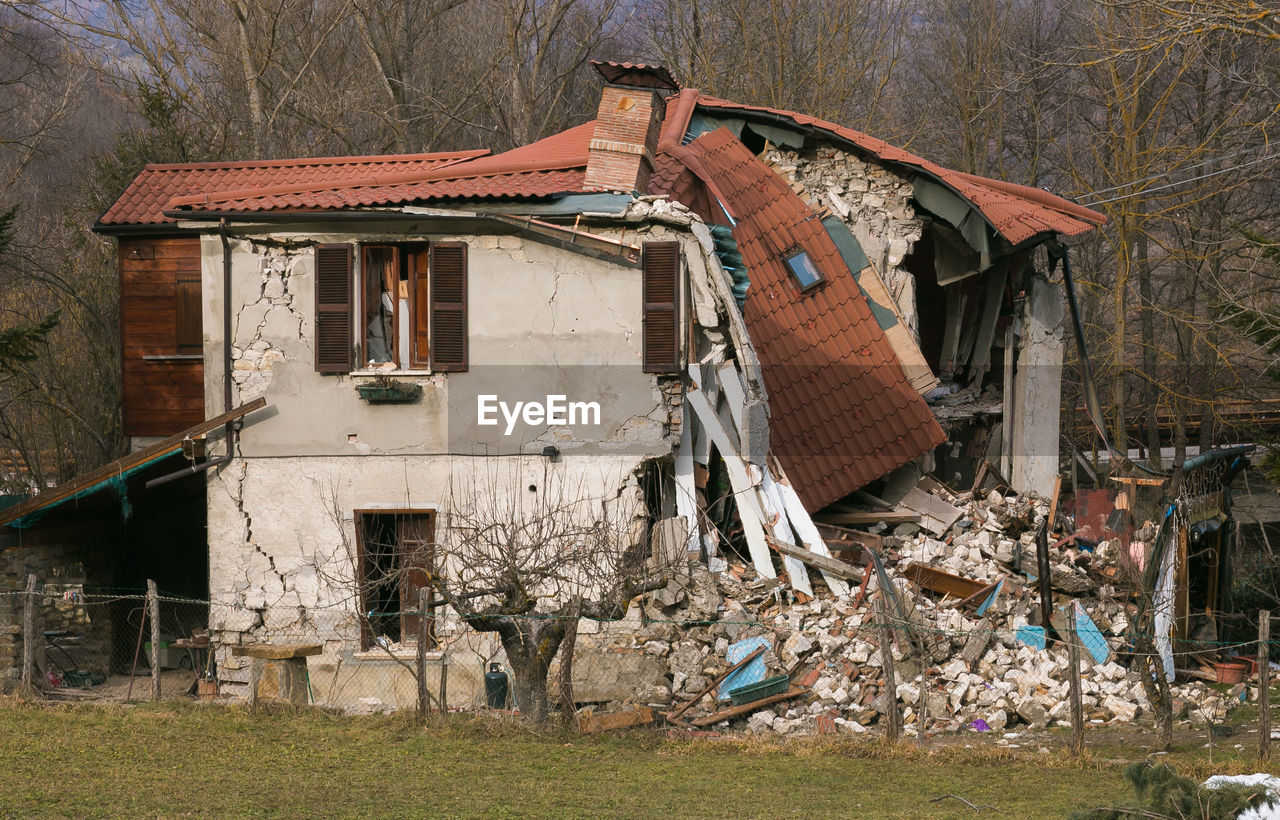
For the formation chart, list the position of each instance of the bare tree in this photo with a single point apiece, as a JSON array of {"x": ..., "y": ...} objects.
[
  {"x": 528, "y": 563},
  {"x": 838, "y": 61}
]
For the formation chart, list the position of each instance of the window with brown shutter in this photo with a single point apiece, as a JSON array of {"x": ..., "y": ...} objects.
[
  {"x": 660, "y": 263},
  {"x": 333, "y": 308},
  {"x": 448, "y": 284},
  {"x": 190, "y": 325}
]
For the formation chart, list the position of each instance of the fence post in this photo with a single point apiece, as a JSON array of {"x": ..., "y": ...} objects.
[
  {"x": 153, "y": 607},
  {"x": 1264, "y": 685},
  {"x": 444, "y": 684},
  {"x": 890, "y": 682},
  {"x": 567, "y": 647},
  {"x": 29, "y": 635},
  {"x": 423, "y": 631},
  {"x": 1073, "y": 662}
]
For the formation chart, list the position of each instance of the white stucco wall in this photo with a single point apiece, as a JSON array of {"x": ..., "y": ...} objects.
[{"x": 281, "y": 524}]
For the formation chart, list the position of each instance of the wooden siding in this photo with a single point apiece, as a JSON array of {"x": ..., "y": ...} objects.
[{"x": 158, "y": 397}]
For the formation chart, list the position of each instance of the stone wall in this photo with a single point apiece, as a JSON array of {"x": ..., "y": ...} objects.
[
  {"x": 61, "y": 571},
  {"x": 873, "y": 201}
]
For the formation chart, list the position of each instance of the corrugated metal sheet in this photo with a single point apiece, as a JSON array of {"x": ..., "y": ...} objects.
[{"x": 841, "y": 411}]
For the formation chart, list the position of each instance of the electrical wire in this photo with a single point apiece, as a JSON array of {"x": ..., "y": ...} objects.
[{"x": 1178, "y": 183}]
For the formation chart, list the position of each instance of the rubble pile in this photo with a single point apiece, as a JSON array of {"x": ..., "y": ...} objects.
[{"x": 955, "y": 666}]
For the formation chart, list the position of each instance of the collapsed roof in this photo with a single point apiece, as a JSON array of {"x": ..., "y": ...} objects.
[{"x": 842, "y": 411}]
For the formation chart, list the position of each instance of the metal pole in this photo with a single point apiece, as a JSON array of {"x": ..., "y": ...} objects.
[
  {"x": 443, "y": 700},
  {"x": 1264, "y": 685},
  {"x": 153, "y": 607},
  {"x": 890, "y": 682}
]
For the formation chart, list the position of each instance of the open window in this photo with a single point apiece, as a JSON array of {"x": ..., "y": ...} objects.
[
  {"x": 391, "y": 307},
  {"x": 396, "y": 554},
  {"x": 394, "y": 320}
]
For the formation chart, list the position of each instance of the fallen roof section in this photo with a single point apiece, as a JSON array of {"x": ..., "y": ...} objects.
[
  {"x": 842, "y": 413},
  {"x": 1017, "y": 212}
]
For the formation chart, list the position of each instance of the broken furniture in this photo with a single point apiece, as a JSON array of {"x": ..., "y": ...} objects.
[
  {"x": 278, "y": 673},
  {"x": 197, "y": 648}
]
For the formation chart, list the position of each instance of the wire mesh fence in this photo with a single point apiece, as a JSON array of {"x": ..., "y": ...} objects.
[{"x": 821, "y": 667}]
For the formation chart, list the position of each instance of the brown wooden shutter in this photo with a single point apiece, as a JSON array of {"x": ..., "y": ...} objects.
[
  {"x": 417, "y": 559},
  {"x": 333, "y": 308},
  {"x": 420, "y": 313},
  {"x": 448, "y": 275},
  {"x": 660, "y": 262},
  {"x": 190, "y": 329}
]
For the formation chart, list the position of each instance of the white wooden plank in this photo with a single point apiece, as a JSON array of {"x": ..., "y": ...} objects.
[
  {"x": 686, "y": 499},
  {"x": 808, "y": 532},
  {"x": 735, "y": 395},
  {"x": 753, "y": 519},
  {"x": 774, "y": 508}
]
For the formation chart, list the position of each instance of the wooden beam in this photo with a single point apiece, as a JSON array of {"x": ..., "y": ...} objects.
[
  {"x": 748, "y": 708},
  {"x": 753, "y": 519},
  {"x": 803, "y": 524},
  {"x": 838, "y": 534},
  {"x": 1053, "y": 502},
  {"x": 895, "y": 517},
  {"x": 616, "y": 720},
  {"x": 674, "y": 715},
  {"x": 123, "y": 465},
  {"x": 819, "y": 562}
]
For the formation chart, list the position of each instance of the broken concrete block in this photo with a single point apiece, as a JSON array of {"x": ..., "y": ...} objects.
[
  {"x": 1122, "y": 709},
  {"x": 1033, "y": 712}
]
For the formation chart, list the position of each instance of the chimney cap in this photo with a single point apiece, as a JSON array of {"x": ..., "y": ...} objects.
[{"x": 636, "y": 74}]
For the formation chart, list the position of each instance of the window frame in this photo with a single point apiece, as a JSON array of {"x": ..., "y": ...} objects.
[
  {"x": 795, "y": 253},
  {"x": 408, "y": 637},
  {"x": 406, "y": 258}
]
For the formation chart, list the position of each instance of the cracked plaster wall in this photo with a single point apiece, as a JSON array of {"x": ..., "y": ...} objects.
[
  {"x": 538, "y": 315},
  {"x": 873, "y": 201},
  {"x": 280, "y": 557},
  {"x": 282, "y": 534}
]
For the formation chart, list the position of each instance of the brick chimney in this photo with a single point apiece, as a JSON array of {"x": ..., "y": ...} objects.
[{"x": 620, "y": 156}]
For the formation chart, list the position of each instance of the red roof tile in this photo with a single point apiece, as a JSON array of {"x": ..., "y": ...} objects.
[
  {"x": 554, "y": 165},
  {"x": 1017, "y": 212},
  {"x": 841, "y": 411},
  {"x": 148, "y": 196},
  {"x": 636, "y": 74}
]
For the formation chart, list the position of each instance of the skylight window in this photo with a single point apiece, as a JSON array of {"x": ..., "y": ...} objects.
[{"x": 803, "y": 269}]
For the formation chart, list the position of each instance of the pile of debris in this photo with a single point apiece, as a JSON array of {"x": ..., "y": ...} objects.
[{"x": 970, "y": 649}]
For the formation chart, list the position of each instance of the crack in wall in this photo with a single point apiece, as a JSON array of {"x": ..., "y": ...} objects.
[{"x": 252, "y": 362}]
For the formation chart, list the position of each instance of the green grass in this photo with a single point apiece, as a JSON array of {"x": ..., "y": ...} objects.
[{"x": 175, "y": 759}]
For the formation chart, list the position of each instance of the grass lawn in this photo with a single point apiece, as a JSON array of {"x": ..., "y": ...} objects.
[{"x": 174, "y": 759}]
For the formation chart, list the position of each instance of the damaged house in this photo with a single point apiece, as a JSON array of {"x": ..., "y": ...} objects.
[{"x": 736, "y": 316}]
